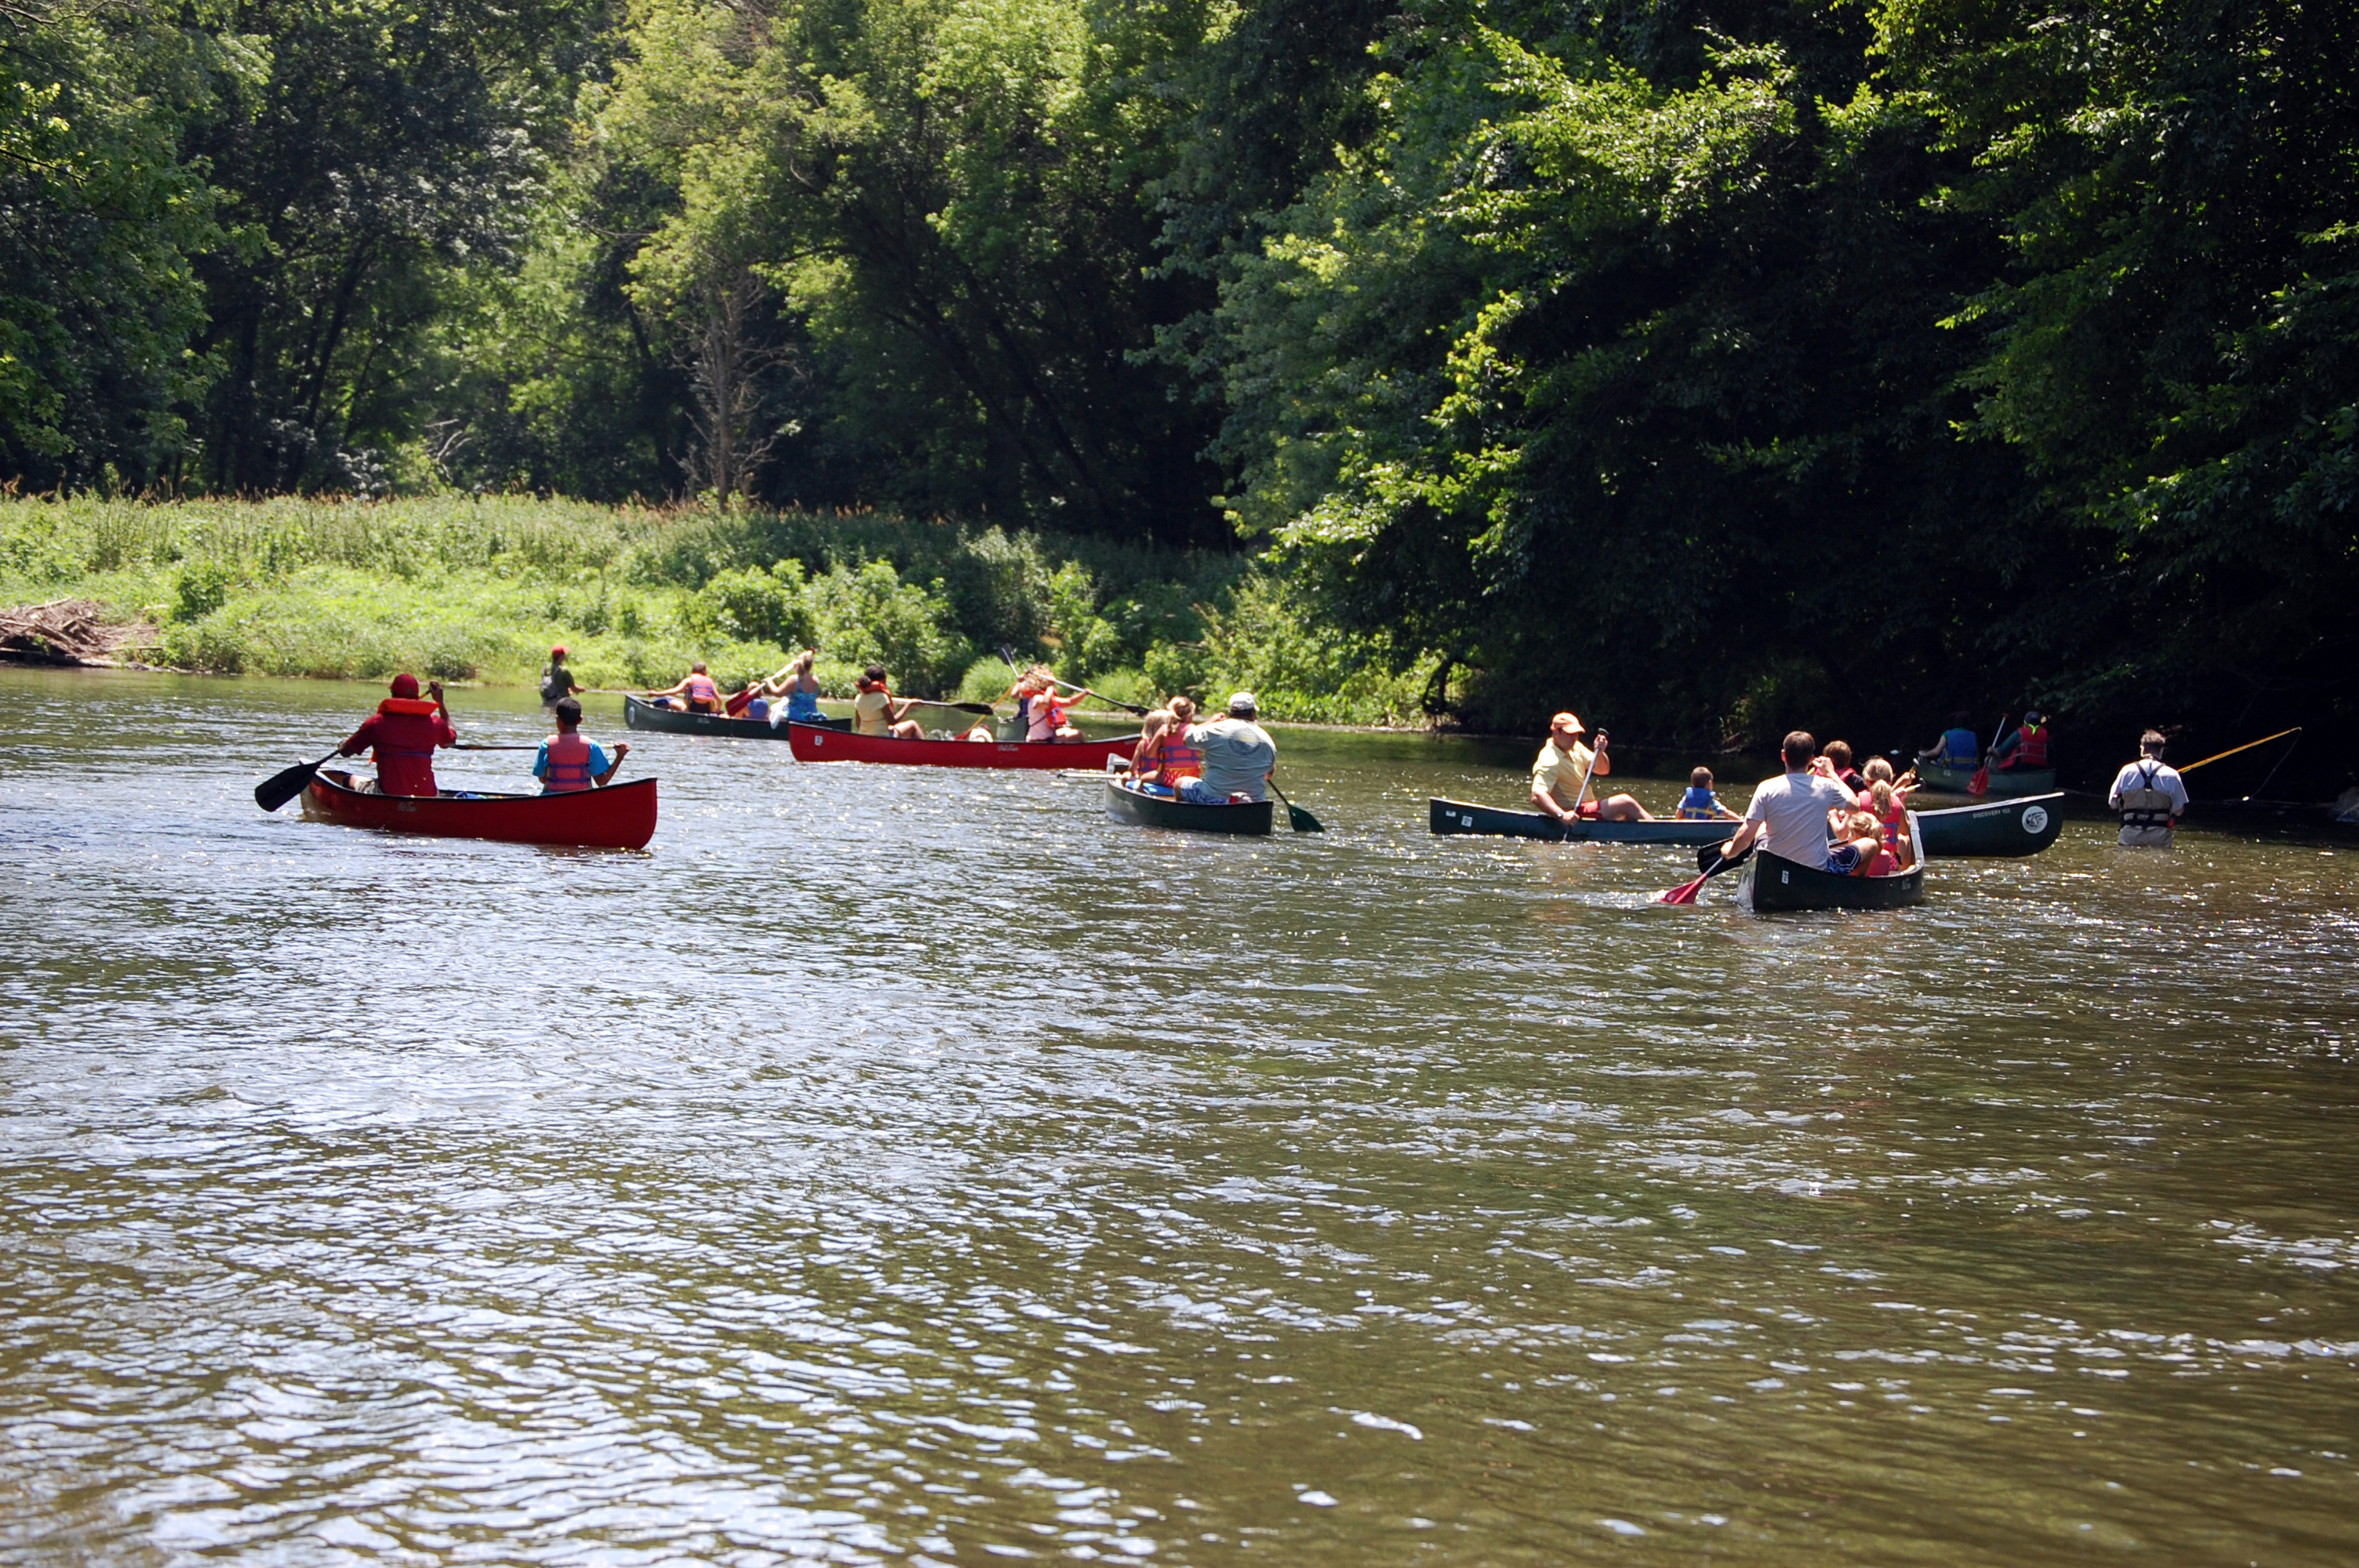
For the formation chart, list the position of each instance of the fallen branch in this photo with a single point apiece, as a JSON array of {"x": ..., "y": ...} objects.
[{"x": 67, "y": 631}]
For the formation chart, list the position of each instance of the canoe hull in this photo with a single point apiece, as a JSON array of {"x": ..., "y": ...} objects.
[
  {"x": 1767, "y": 884},
  {"x": 1456, "y": 817},
  {"x": 621, "y": 817},
  {"x": 2014, "y": 827},
  {"x": 639, "y": 714},
  {"x": 812, "y": 743},
  {"x": 2003, "y": 785},
  {"x": 1125, "y": 804}
]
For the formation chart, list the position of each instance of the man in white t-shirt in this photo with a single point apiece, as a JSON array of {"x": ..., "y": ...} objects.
[{"x": 1791, "y": 809}]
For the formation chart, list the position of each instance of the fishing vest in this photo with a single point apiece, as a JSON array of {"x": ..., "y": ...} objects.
[
  {"x": 2146, "y": 806},
  {"x": 2032, "y": 749},
  {"x": 569, "y": 765}
]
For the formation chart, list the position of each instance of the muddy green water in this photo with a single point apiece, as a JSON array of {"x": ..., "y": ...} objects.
[{"x": 894, "y": 1166}]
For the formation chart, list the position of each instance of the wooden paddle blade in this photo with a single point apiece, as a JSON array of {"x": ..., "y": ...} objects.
[{"x": 285, "y": 784}]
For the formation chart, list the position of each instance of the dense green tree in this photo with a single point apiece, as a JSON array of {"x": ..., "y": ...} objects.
[{"x": 99, "y": 218}]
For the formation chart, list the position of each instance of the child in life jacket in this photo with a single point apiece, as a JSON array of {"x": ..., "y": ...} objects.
[
  {"x": 570, "y": 761},
  {"x": 1860, "y": 852},
  {"x": 1699, "y": 804}
]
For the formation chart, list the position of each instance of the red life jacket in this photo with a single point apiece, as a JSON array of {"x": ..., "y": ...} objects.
[
  {"x": 401, "y": 738},
  {"x": 2032, "y": 748},
  {"x": 1045, "y": 715},
  {"x": 569, "y": 765}
]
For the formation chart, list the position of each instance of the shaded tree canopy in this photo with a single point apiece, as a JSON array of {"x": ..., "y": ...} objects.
[{"x": 1713, "y": 363}]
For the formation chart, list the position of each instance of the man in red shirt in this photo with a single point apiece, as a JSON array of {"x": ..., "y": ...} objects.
[{"x": 404, "y": 731}]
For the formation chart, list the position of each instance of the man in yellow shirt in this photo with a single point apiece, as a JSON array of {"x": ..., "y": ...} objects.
[{"x": 1564, "y": 763}]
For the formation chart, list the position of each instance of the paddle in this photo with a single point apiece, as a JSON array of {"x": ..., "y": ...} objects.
[
  {"x": 981, "y": 710},
  {"x": 287, "y": 783},
  {"x": 2245, "y": 747},
  {"x": 1008, "y": 653},
  {"x": 1686, "y": 892},
  {"x": 1297, "y": 818},
  {"x": 481, "y": 746},
  {"x": 1979, "y": 785}
]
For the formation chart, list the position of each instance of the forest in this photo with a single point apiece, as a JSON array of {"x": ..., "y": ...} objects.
[{"x": 1715, "y": 366}]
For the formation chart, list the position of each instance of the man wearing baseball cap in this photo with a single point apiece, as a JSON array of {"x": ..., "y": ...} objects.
[
  {"x": 1565, "y": 769},
  {"x": 557, "y": 681},
  {"x": 401, "y": 736},
  {"x": 1239, "y": 756}
]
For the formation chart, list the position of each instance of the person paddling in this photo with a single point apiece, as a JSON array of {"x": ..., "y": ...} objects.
[
  {"x": 402, "y": 735},
  {"x": 1236, "y": 755},
  {"x": 2025, "y": 749},
  {"x": 800, "y": 688},
  {"x": 696, "y": 691},
  {"x": 2150, "y": 797},
  {"x": 872, "y": 712},
  {"x": 1565, "y": 767},
  {"x": 1791, "y": 810},
  {"x": 557, "y": 681},
  {"x": 570, "y": 761}
]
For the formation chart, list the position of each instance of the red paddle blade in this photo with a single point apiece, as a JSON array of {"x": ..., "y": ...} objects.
[
  {"x": 1980, "y": 783},
  {"x": 1685, "y": 892}
]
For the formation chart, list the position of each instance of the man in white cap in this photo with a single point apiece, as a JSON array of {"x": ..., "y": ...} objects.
[
  {"x": 1565, "y": 764},
  {"x": 1239, "y": 756}
]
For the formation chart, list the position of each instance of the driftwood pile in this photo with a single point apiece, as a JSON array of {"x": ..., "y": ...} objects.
[{"x": 66, "y": 632}]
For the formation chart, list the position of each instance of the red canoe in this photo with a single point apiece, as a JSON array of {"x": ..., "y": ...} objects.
[
  {"x": 621, "y": 816},
  {"x": 811, "y": 743}
]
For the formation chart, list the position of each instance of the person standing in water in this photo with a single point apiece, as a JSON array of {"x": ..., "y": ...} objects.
[
  {"x": 2149, "y": 796},
  {"x": 557, "y": 681}
]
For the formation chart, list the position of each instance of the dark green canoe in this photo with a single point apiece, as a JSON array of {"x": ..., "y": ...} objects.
[
  {"x": 639, "y": 714},
  {"x": 1450, "y": 817},
  {"x": 2004, "y": 827},
  {"x": 1766, "y": 885},
  {"x": 1127, "y": 803}
]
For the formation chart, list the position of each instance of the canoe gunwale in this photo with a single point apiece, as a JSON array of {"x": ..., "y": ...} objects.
[{"x": 814, "y": 743}]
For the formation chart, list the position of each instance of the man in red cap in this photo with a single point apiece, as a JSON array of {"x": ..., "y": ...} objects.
[
  {"x": 557, "y": 681},
  {"x": 404, "y": 731}
]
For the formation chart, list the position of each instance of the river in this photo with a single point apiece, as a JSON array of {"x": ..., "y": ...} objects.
[{"x": 894, "y": 1166}]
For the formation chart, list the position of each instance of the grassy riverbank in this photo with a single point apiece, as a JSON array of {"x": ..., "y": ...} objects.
[{"x": 479, "y": 588}]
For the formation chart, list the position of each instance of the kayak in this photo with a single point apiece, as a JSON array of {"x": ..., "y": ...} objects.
[
  {"x": 1766, "y": 883},
  {"x": 815, "y": 743},
  {"x": 1125, "y": 801},
  {"x": 640, "y": 714},
  {"x": 620, "y": 817},
  {"x": 1459, "y": 817},
  {"x": 2022, "y": 827},
  {"x": 2003, "y": 785}
]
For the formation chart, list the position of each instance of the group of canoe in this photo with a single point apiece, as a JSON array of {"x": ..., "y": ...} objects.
[{"x": 623, "y": 816}]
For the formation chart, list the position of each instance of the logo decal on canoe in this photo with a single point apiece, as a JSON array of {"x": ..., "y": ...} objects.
[{"x": 2034, "y": 818}]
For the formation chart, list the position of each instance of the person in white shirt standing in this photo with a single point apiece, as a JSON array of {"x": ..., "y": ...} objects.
[
  {"x": 2149, "y": 796},
  {"x": 1791, "y": 809}
]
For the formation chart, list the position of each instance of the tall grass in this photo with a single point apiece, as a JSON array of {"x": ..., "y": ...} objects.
[{"x": 480, "y": 587}]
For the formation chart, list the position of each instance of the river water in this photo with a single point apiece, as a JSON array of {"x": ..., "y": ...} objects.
[{"x": 894, "y": 1166}]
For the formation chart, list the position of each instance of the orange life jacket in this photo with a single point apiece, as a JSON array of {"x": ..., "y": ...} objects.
[
  {"x": 1045, "y": 715},
  {"x": 569, "y": 764},
  {"x": 1173, "y": 758},
  {"x": 419, "y": 707}
]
